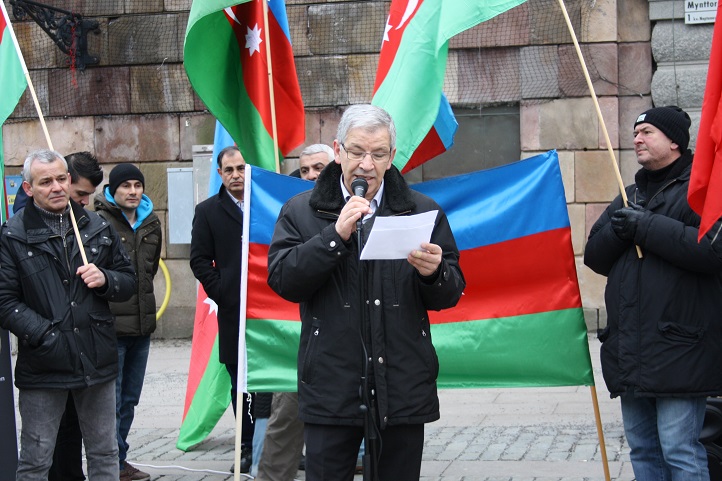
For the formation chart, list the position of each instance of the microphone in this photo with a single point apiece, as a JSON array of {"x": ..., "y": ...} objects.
[{"x": 359, "y": 187}]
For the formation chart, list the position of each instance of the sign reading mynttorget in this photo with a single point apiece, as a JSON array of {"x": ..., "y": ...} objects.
[{"x": 704, "y": 11}]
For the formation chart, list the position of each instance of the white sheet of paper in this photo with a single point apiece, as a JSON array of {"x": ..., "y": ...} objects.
[{"x": 395, "y": 237}]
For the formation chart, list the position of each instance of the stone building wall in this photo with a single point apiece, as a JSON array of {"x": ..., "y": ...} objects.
[{"x": 160, "y": 119}]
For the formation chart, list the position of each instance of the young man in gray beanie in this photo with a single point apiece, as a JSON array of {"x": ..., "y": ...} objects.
[
  {"x": 661, "y": 348},
  {"x": 126, "y": 207}
]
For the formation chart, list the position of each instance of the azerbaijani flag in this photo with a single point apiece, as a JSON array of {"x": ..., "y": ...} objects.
[
  {"x": 705, "y": 184},
  {"x": 226, "y": 60},
  {"x": 208, "y": 389},
  {"x": 13, "y": 84},
  {"x": 415, "y": 45},
  {"x": 520, "y": 321}
]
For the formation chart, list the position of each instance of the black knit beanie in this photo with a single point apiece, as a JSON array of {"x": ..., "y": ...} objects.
[
  {"x": 672, "y": 121},
  {"x": 122, "y": 173}
]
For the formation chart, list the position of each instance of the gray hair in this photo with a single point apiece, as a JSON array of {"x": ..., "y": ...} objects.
[
  {"x": 317, "y": 149},
  {"x": 44, "y": 156},
  {"x": 367, "y": 117}
]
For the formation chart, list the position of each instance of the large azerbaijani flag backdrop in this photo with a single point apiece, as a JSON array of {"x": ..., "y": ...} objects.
[
  {"x": 13, "y": 84},
  {"x": 520, "y": 321},
  {"x": 226, "y": 62},
  {"x": 416, "y": 45}
]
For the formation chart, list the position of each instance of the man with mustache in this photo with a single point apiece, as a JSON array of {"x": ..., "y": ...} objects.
[
  {"x": 57, "y": 306},
  {"x": 364, "y": 324},
  {"x": 216, "y": 262},
  {"x": 126, "y": 207}
]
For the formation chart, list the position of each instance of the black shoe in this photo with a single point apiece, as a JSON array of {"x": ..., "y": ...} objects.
[
  {"x": 246, "y": 459},
  {"x": 302, "y": 463}
]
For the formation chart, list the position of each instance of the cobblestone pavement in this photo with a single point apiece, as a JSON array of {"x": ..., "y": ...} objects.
[{"x": 523, "y": 434}]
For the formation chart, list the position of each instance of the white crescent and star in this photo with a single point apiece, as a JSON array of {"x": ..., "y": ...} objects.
[
  {"x": 408, "y": 12},
  {"x": 212, "y": 306},
  {"x": 253, "y": 37}
]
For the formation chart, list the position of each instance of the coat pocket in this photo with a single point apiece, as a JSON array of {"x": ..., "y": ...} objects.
[
  {"x": 105, "y": 344},
  {"x": 52, "y": 355},
  {"x": 681, "y": 333},
  {"x": 309, "y": 358}
]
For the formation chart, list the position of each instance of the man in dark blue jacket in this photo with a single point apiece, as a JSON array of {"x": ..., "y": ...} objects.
[
  {"x": 661, "y": 348},
  {"x": 55, "y": 301}
]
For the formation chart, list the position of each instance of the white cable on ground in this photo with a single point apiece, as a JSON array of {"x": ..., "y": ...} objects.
[{"x": 183, "y": 468}]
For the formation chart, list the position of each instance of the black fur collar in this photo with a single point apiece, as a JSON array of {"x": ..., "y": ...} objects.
[{"x": 327, "y": 194}]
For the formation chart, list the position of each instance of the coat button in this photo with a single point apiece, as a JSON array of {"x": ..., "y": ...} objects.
[
  {"x": 381, "y": 360},
  {"x": 377, "y": 302},
  {"x": 66, "y": 282},
  {"x": 332, "y": 243},
  {"x": 76, "y": 331}
]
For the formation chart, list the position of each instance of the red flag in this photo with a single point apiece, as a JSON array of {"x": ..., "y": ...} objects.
[{"x": 705, "y": 184}]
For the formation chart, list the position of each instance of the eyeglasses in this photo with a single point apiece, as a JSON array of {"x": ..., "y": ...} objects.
[{"x": 359, "y": 155}]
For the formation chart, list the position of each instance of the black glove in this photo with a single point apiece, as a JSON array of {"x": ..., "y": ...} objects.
[{"x": 626, "y": 220}]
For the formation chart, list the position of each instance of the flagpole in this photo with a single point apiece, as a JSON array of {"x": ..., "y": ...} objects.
[
  {"x": 274, "y": 127},
  {"x": 42, "y": 120},
  {"x": 612, "y": 158},
  {"x": 242, "y": 373},
  {"x": 600, "y": 432}
]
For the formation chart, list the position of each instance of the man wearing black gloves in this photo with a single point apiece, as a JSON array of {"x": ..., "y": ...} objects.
[
  {"x": 661, "y": 348},
  {"x": 313, "y": 260}
]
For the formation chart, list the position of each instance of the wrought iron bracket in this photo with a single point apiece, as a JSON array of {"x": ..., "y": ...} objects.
[{"x": 68, "y": 30}]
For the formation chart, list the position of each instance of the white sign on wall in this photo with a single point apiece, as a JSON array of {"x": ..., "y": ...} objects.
[{"x": 700, "y": 11}]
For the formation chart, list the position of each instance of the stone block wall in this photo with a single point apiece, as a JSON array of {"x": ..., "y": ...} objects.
[{"x": 155, "y": 119}]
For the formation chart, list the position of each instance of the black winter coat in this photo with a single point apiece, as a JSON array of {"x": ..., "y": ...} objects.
[
  {"x": 216, "y": 263},
  {"x": 309, "y": 263},
  {"x": 65, "y": 330},
  {"x": 664, "y": 311},
  {"x": 137, "y": 315}
]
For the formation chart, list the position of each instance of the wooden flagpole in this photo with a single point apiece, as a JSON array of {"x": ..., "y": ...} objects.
[
  {"x": 274, "y": 126},
  {"x": 42, "y": 123},
  {"x": 583, "y": 64},
  {"x": 615, "y": 166}
]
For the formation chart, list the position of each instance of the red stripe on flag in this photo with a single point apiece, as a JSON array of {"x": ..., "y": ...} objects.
[
  {"x": 3, "y": 24},
  {"x": 205, "y": 330},
  {"x": 399, "y": 18},
  {"x": 527, "y": 275},
  {"x": 430, "y": 147},
  {"x": 262, "y": 302}
]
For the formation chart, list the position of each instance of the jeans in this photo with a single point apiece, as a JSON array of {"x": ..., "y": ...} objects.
[
  {"x": 132, "y": 360},
  {"x": 663, "y": 436},
  {"x": 41, "y": 410},
  {"x": 259, "y": 433}
]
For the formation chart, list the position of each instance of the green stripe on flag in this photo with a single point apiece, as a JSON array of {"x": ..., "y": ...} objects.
[
  {"x": 209, "y": 403},
  {"x": 545, "y": 349}
]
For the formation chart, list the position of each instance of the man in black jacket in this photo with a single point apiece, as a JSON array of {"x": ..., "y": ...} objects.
[
  {"x": 389, "y": 365},
  {"x": 57, "y": 306},
  {"x": 661, "y": 348},
  {"x": 85, "y": 175},
  {"x": 216, "y": 262}
]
